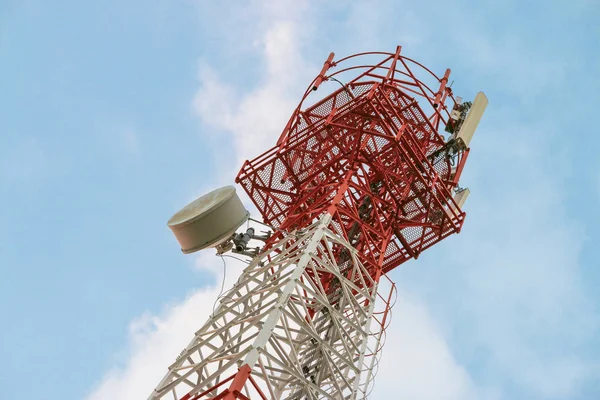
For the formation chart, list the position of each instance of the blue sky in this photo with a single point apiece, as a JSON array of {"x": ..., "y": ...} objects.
[{"x": 115, "y": 114}]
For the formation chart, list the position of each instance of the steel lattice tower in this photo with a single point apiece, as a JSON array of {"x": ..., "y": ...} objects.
[{"x": 358, "y": 183}]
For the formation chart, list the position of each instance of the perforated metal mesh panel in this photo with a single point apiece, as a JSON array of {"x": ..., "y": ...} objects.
[{"x": 382, "y": 134}]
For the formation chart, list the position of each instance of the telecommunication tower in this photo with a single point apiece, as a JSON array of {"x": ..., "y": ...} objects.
[{"x": 360, "y": 181}]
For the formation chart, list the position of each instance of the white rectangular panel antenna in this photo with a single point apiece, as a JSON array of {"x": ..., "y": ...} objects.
[
  {"x": 461, "y": 197},
  {"x": 467, "y": 130},
  {"x": 459, "y": 200}
]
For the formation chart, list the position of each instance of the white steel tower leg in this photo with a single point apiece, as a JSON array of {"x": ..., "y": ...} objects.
[{"x": 300, "y": 339}]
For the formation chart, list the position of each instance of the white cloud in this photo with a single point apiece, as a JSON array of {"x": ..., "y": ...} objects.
[
  {"x": 256, "y": 118},
  {"x": 510, "y": 286},
  {"x": 155, "y": 340},
  {"x": 417, "y": 362}
]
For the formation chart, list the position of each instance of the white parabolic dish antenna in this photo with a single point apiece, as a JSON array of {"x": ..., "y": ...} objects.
[{"x": 208, "y": 220}]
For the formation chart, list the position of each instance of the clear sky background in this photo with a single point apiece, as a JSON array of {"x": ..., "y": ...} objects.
[{"x": 115, "y": 114}]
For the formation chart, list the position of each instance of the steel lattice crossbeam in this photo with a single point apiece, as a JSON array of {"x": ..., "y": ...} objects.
[{"x": 303, "y": 340}]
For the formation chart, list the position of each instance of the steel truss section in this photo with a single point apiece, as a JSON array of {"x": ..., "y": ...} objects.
[
  {"x": 382, "y": 127},
  {"x": 290, "y": 335}
]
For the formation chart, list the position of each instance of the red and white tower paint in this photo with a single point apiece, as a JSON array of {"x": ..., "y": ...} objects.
[{"x": 360, "y": 181}]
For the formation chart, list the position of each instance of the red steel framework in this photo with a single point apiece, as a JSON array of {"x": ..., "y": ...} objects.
[
  {"x": 370, "y": 157},
  {"x": 371, "y": 142}
]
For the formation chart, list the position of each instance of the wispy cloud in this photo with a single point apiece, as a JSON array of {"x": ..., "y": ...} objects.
[
  {"x": 417, "y": 362},
  {"x": 525, "y": 273},
  {"x": 155, "y": 340},
  {"x": 510, "y": 285},
  {"x": 253, "y": 119}
]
